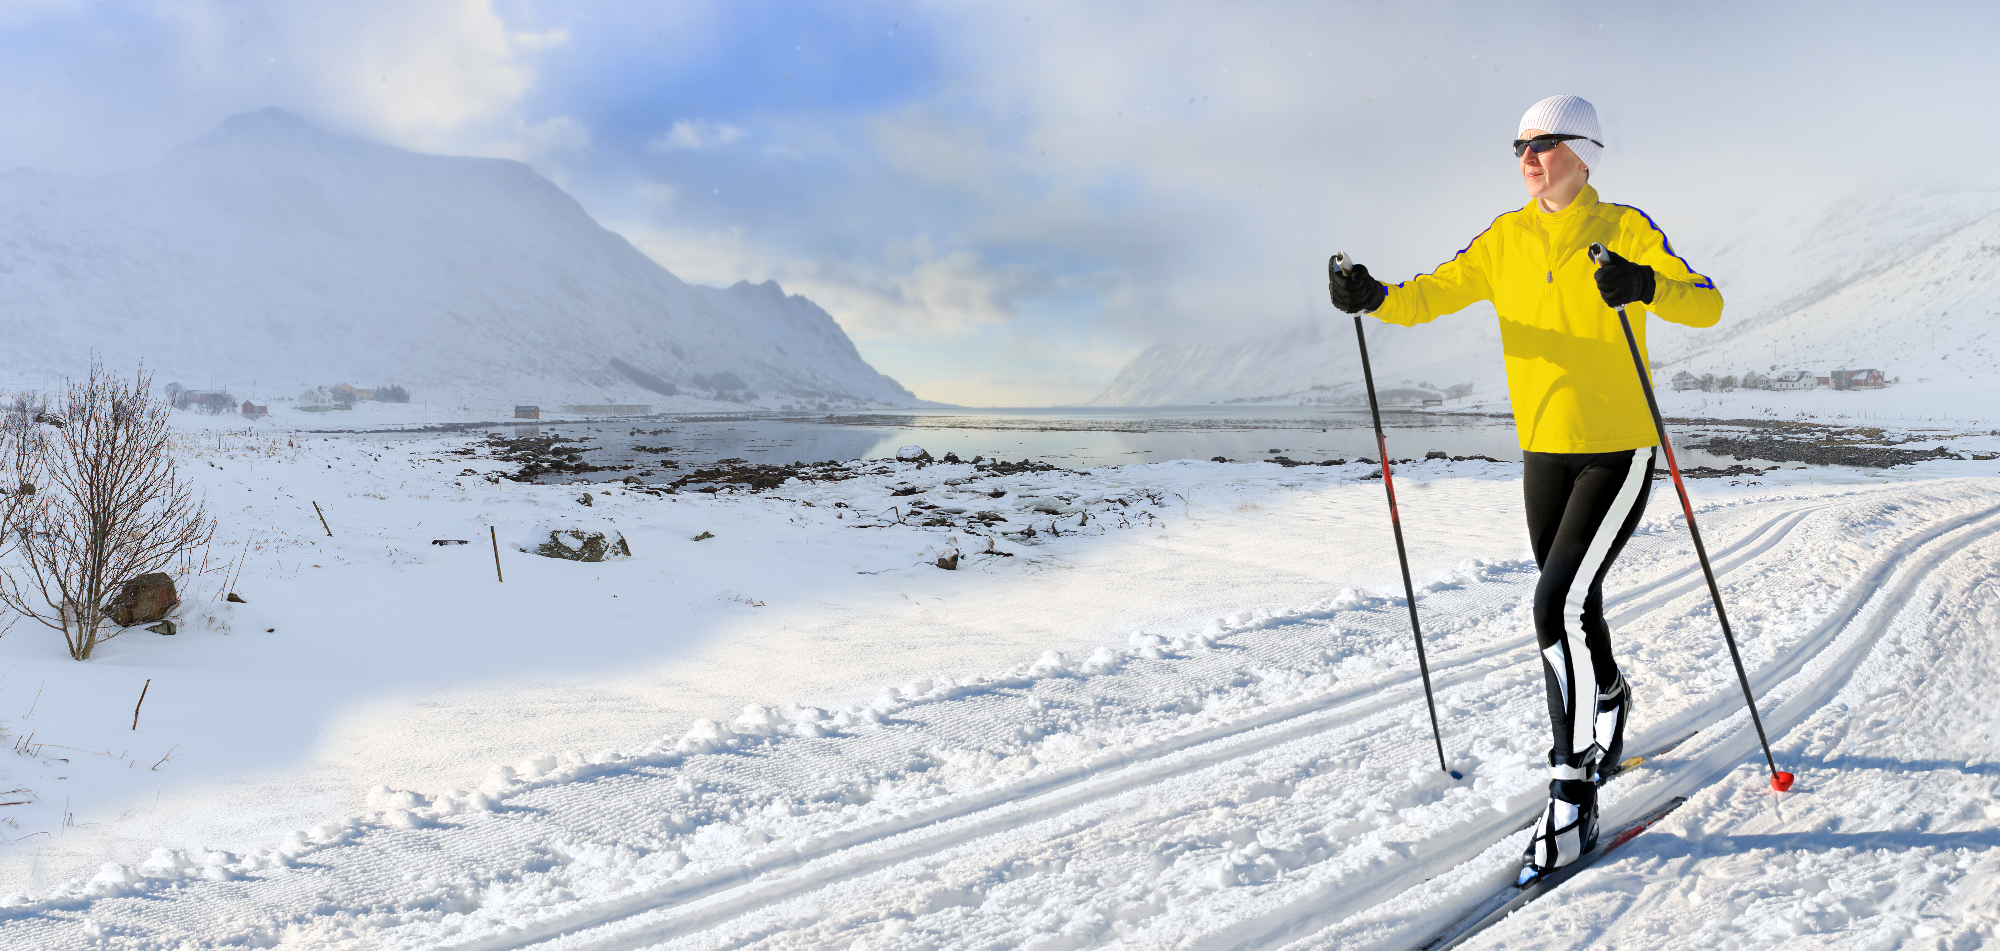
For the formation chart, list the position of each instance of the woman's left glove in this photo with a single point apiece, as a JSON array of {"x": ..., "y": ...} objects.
[{"x": 1621, "y": 282}]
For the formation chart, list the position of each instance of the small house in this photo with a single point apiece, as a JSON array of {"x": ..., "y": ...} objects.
[
  {"x": 253, "y": 411},
  {"x": 1684, "y": 381},
  {"x": 1858, "y": 380},
  {"x": 1754, "y": 380},
  {"x": 348, "y": 393},
  {"x": 1794, "y": 380},
  {"x": 316, "y": 400},
  {"x": 527, "y": 412}
]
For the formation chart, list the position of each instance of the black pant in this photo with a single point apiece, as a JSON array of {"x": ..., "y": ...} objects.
[{"x": 1582, "y": 507}]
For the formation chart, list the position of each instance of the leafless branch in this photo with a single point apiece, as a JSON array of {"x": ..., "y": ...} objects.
[{"x": 113, "y": 506}]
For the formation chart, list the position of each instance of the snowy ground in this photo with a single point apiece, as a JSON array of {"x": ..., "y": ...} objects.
[{"x": 1187, "y": 720}]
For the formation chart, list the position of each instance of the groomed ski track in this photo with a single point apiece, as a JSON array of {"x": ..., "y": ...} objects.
[{"x": 1262, "y": 784}]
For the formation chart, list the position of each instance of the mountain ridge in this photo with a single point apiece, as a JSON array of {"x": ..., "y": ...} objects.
[{"x": 270, "y": 249}]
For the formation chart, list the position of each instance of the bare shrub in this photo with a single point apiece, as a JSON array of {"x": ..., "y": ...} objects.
[
  {"x": 23, "y": 441},
  {"x": 111, "y": 506}
]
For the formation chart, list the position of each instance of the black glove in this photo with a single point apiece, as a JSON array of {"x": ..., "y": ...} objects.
[
  {"x": 1353, "y": 291},
  {"x": 1621, "y": 282}
]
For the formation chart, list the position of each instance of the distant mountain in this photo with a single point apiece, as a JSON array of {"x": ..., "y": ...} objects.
[
  {"x": 271, "y": 250},
  {"x": 1907, "y": 283}
]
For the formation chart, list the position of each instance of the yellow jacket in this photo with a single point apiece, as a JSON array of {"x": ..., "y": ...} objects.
[{"x": 1569, "y": 371}]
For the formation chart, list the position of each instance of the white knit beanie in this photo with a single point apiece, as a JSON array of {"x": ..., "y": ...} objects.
[{"x": 1568, "y": 115}]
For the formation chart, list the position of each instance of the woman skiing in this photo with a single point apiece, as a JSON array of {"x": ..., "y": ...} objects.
[{"x": 1587, "y": 439}]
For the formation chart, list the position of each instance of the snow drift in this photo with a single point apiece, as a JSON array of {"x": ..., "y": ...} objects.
[{"x": 271, "y": 250}]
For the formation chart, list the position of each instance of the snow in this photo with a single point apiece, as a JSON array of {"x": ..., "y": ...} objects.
[
  {"x": 273, "y": 257},
  {"x": 1184, "y": 714}
]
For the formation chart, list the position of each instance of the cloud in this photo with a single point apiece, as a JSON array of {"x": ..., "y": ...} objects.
[
  {"x": 695, "y": 134},
  {"x": 545, "y": 40},
  {"x": 115, "y": 85}
]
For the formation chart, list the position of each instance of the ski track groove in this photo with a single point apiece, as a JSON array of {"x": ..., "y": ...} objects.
[
  {"x": 1908, "y": 563},
  {"x": 703, "y": 905}
]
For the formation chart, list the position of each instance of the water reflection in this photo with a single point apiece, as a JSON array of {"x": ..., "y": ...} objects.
[{"x": 1069, "y": 438}]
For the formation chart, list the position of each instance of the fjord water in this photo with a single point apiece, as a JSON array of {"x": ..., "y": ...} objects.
[{"x": 1073, "y": 438}]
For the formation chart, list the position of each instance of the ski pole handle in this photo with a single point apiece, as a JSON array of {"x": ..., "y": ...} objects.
[
  {"x": 1346, "y": 266},
  {"x": 1598, "y": 254}
]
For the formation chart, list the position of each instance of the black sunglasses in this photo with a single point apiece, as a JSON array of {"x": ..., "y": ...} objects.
[{"x": 1543, "y": 143}]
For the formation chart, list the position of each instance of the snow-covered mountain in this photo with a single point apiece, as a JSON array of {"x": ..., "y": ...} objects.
[
  {"x": 271, "y": 250},
  {"x": 1908, "y": 283}
]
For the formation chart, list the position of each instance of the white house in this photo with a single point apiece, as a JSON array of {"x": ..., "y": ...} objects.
[
  {"x": 316, "y": 400},
  {"x": 1794, "y": 380}
]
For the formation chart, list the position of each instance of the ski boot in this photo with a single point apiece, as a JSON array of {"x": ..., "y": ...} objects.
[
  {"x": 1568, "y": 828},
  {"x": 1614, "y": 710}
]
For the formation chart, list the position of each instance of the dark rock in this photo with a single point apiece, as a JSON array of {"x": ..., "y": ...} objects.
[
  {"x": 704, "y": 536},
  {"x": 441, "y": 542},
  {"x": 913, "y": 454},
  {"x": 1825, "y": 451},
  {"x": 1436, "y": 454},
  {"x": 949, "y": 562},
  {"x": 1220, "y": 459},
  {"x": 164, "y": 627},
  {"x": 903, "y": 488},
  {"x": 572, "y": 544},
  {"x": 235, "y": 598},
  {"x": 584, "y": 498},
  {"x": 952, "y": 457},
  {"x": 146, "y": 598}
]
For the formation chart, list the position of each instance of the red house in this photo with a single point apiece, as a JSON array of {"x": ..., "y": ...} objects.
[{"x": 1858, "y": 380}]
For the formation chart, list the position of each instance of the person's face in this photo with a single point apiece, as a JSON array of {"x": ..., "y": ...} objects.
[{"x": 1551, "y": 174}]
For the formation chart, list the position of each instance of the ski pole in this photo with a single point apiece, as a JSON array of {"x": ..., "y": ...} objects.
[
  {"x": 1780, "y": 780},
  {"x": 1396, "y": 524}
]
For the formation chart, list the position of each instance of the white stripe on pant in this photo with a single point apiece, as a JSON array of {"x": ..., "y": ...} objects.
[{"x": 1570, "y": 657}]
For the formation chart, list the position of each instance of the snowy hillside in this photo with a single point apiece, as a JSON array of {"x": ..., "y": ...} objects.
[
  {"x": 1900, "y": 281},
  {"x": 269, "y": 250}
]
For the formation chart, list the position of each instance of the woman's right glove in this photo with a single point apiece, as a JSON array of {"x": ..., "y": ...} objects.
[{"x": 1353, "y": 291}]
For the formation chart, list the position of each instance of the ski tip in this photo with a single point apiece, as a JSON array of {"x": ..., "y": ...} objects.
[
  {"x": 1781, "y": 781},
  {"x": 1630, "y": 762}
]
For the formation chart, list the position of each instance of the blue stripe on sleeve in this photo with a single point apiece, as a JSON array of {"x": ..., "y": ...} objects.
[
  {"x": 1669, "y": 245},
  {"x": 1468, "y": 247}
]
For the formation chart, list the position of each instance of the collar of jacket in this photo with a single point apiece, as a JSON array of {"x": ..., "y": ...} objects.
[{"x": 1583, "y": 202}]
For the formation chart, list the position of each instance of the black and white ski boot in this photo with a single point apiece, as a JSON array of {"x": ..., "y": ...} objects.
[
  {"x": 1568, "y": 827},
  {"x": 1614, "y": 709}
]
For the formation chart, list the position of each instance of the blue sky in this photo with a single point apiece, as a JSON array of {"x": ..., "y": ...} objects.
[{"x": 1003, "y": 203}]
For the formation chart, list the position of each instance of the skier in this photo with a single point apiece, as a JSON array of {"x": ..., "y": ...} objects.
[{"x": 1587, "y": 438}]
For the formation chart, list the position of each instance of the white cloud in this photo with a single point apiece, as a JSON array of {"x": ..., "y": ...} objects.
[
  {"x": 695, "y": 134},
  {"x": 545, "y": 40},
  {"x": 420, "y": 73}
]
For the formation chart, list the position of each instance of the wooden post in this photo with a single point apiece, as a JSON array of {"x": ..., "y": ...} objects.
[
  {"x": 141, "y": 703},
  {"x": 322, "y": 520},
  {"x": 495, "y": 536}
]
